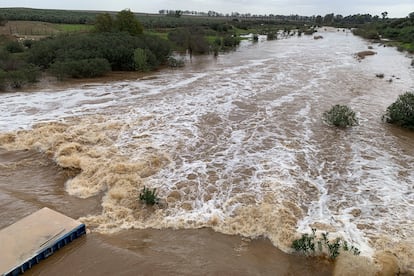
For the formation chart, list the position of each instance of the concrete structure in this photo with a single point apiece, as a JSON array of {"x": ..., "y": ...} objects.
[{"x": 35, "y": 238}]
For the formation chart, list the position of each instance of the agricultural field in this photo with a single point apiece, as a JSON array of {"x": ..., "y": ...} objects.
[{"x": 36, "y": 29}]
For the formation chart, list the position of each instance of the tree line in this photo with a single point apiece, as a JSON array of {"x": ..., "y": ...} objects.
[{"x": 51, "y": 16}]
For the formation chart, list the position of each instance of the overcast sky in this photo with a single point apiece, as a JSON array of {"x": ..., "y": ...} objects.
[{"x": 395, "y": 8}]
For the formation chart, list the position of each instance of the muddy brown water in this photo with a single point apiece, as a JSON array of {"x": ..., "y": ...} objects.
[
  {"x": 29, "y": 181},
  {"x": 235, "y": 147}
]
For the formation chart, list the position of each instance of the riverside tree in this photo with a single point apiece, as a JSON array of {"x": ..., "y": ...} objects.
[
  {"x": 125, "y": 21},
  {"x": 104, "y": 23}
]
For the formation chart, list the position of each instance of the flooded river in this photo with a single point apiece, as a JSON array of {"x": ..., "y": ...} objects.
[{"x": 234, "y": 145}]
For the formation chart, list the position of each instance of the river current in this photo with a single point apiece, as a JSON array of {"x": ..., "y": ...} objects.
[{"x": 234, "y": 143}]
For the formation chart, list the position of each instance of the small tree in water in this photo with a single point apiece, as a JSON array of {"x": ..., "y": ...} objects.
[
  {"x": 401, "y": 112},
  {"x": 340, "y": 116}
]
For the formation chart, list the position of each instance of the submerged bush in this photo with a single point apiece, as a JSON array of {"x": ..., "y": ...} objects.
[
  {"x": 175, "y": 62},
  {"x": 401, "y": 112},
  {"x": 311, "y": 245},
  {"x": 230, "y": 41},
  {"x": 272, "y": 36},
  {"x": 149, "y": 196},
  {"x": 340, "y": 116}
]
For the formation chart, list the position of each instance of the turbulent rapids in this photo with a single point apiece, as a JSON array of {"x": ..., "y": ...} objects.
[{"x": 237, "y": 144}]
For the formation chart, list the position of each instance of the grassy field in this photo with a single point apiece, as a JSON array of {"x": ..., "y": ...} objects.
[
  {"x": 161, "y": 34},
  {"x": 68, "y": 28}
]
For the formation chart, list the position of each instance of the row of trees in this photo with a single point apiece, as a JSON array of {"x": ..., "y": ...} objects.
[
  {"x": 52, "y": 16},
  {"x": 86, "y": 17},
  {"x": 330, "y": 18}
]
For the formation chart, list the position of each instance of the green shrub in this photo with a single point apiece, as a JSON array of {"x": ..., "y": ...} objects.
[
  {"x": 401, "y": 112},
  {"x": 27, "y": 43},
  {"x": 3, "y": 80},
  {"x": 18, "y": 78},
  {"x": 149, "y": 196},
  {"x": 31, "y": 73},
  {"x": 368, "y": 33},
  {"x": 340, "y": 116},
  {"x": 14, "y": 47},
  {"x": 311, "y": 245},
  {"x": 230, "y": 41},
  {"x": 84, "y": 68},
  {"x": 144, "y": 59},
  {"x": 140, "y": 60},
  {"x": 219, "y": 42},
  {"x": 272, "y": 36},
  {"x": 175, "y": 63}
]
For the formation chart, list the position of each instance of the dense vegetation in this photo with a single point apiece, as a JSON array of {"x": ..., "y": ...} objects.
[
  {"x": 15, "y": 71},
  {"x": 401, "y": 112},
  {"x": 80, "y": 55},
  {"x": 116, "y": 48},
  {"x": 400, "y": 31}
]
